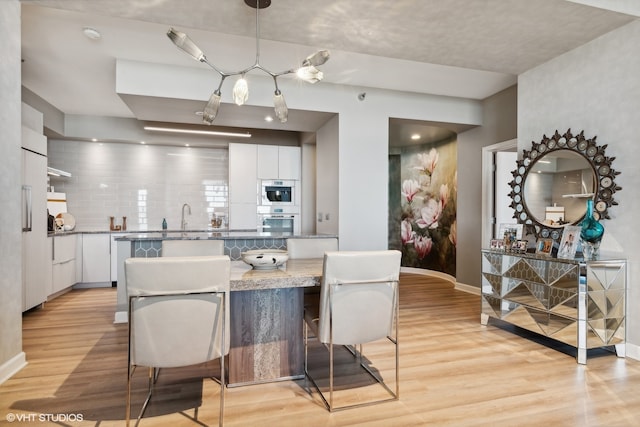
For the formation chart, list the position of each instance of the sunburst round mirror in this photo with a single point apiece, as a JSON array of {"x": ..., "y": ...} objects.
[{"x": 554, "y": 179}]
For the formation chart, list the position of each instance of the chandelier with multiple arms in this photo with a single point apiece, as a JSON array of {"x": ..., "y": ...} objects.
[{"x": 307, "y": 71}]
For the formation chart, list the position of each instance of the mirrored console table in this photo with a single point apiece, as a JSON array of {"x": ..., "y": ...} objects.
[{"x": 579, "y": 303}]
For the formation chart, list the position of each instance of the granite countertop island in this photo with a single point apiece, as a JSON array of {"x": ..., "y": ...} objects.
[
  {"x": 149, "y": 243},
  {"x": 213, "y": 235}
]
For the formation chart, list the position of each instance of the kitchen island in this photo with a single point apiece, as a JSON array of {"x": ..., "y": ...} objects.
[
  {"x": 149, "y": 244},
  {"x": 266, "y": 306}
]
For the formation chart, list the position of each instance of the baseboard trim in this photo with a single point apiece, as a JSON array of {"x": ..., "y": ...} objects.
[
  {"x": 92, "y": 285},
  {"x": 12, "y": 366},
  {"x": 632, "y": 351},
  {"x": 121, "y": 317},
  {"x": 425, "y": 272},
  {"x": 468, "y": 288}
]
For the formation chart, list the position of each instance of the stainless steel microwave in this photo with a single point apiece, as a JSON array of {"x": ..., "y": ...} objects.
[{"x": 277, "y": 192}]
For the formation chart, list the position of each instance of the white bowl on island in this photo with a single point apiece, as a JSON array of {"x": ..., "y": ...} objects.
[{"x": 265, "y": 259}]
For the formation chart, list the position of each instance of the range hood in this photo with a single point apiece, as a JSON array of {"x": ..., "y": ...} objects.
[{"x": 57, "y": 172}]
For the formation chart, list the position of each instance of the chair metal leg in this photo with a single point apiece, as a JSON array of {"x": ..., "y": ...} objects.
[
  {"x": 357, "y": 353},
  {"x": 152, "y": 379},
  {"x": 153, "y": 376},
  {"x": 128, "y": 408},
  {"x": 222, "y": 387}
]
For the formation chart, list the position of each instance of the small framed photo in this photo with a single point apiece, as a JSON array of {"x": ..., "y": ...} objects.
[
  {"x": 497, "y": 244},
  {"x": 544, "y": 247},
  {"x": 521, "y": 246},
  {"x": 569, "y": 242},
  {"x": 504, "y": 228}
]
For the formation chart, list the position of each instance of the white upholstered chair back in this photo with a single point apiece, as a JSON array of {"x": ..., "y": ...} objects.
[
  {"x": 174, "y": 321},
  {"x": 359, "y": 292},
  {"x": 310, "y": 248},
  {"x": 192, "y": 247}
]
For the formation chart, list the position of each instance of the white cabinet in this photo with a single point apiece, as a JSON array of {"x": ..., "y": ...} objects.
[
  {"x": 268, "y": 162},
  {"x": 36, "y": 261},
  {"x": 289, "y": 163},
  {"x": 243, "y": 186},
  {"x": 64, "y": 272},
  {"x": 96, "y": 259},
  {"x": 243, "y": 180},
  {"x": 276, "y": 162},
  {"x": 114, "y": 256}
]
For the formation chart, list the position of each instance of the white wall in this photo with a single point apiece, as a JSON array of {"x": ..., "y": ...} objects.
[
  {"x": 327, "y": 189},
  {"x": 308, "y": 189},
  {"x": 11, "y": 356},
  {"x": 499, "y": 124},
  {"x": 505, "y": 162},
  {"x": 596, "y": 88}
]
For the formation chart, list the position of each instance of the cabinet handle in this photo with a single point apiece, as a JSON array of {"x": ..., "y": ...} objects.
[{"x": 27, "y": 225}]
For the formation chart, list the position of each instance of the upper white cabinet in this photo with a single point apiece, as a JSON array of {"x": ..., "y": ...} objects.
[
  {"x": 243, "y": 186},
  {"x": 268, "y": 162},
  {"x": 276, "y": 162},
  {"x": 243, "y": 179},
  {"x": 289, "y": 163}
]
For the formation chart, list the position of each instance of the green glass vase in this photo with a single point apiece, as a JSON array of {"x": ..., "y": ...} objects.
[{"x": 591, "y": 233}]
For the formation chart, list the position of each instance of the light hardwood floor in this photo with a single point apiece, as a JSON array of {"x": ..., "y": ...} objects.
[{"x": 453, "y": 371}]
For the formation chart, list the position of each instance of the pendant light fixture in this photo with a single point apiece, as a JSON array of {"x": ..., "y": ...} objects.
[{"x": 307, "y": 71}]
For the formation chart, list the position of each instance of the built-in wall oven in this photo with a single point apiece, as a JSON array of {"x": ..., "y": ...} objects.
[
  {"x": 278, "y": 193},
  {"x": 279, "y": 220},
  {"x": 278, "y": 207}
]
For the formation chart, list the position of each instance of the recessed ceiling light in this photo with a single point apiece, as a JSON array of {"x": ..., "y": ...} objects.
[
  {"x": 415, "y": 136},
  {"x": 268, "y": 119},
  {"x": 91, "y": 33},
  {"x": 186, "y": 145},
  {"x": 199, "y": 113},
  {"x": 94, "y": 139},
  {"x": 142, "y": 142}
]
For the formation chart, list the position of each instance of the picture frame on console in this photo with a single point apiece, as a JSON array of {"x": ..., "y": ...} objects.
[
  {"x": 518, "y": 228},
  {"x": 544, "y": 247},
  {"x": 497, "y": 244},
  {"x": 569, "y": 242}
]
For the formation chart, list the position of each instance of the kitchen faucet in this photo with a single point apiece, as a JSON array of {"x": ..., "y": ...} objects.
[{"x": 183, "y": 222}]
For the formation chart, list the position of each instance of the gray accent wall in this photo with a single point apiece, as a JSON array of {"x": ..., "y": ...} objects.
[
  {"x": 499, "y": 124},
  {"x": 596, "y": 88},
  {"x": 11, "y": 356}
]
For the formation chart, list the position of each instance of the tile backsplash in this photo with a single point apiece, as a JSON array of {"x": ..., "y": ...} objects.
[{"x": 145, "y": 183}]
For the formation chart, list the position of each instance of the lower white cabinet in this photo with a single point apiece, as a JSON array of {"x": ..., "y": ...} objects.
[
  {"x": 96, "y": 259},
  {"x": 114, "y": 256},
  {"x": 64, "y": 271}
]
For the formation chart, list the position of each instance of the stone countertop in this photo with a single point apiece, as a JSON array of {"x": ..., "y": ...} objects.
[
  {"x": 131, "y": 231},
  {"x": 294, "y": 273},
  {"x": 213, "y": 235}
]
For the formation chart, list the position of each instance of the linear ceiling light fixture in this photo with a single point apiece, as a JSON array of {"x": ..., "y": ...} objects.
[
  {"x": 198, "y": 132},
  {"x": 307, "y": 71}
]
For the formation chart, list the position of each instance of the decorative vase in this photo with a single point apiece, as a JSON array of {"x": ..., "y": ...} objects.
[{"x": 591, "y": 233}]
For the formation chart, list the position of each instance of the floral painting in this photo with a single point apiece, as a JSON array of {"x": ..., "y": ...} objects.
[{"x": 427, "y": 214}]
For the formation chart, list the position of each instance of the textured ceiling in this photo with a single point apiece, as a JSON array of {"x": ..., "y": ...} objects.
[{"x": 461, "y": 48}]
